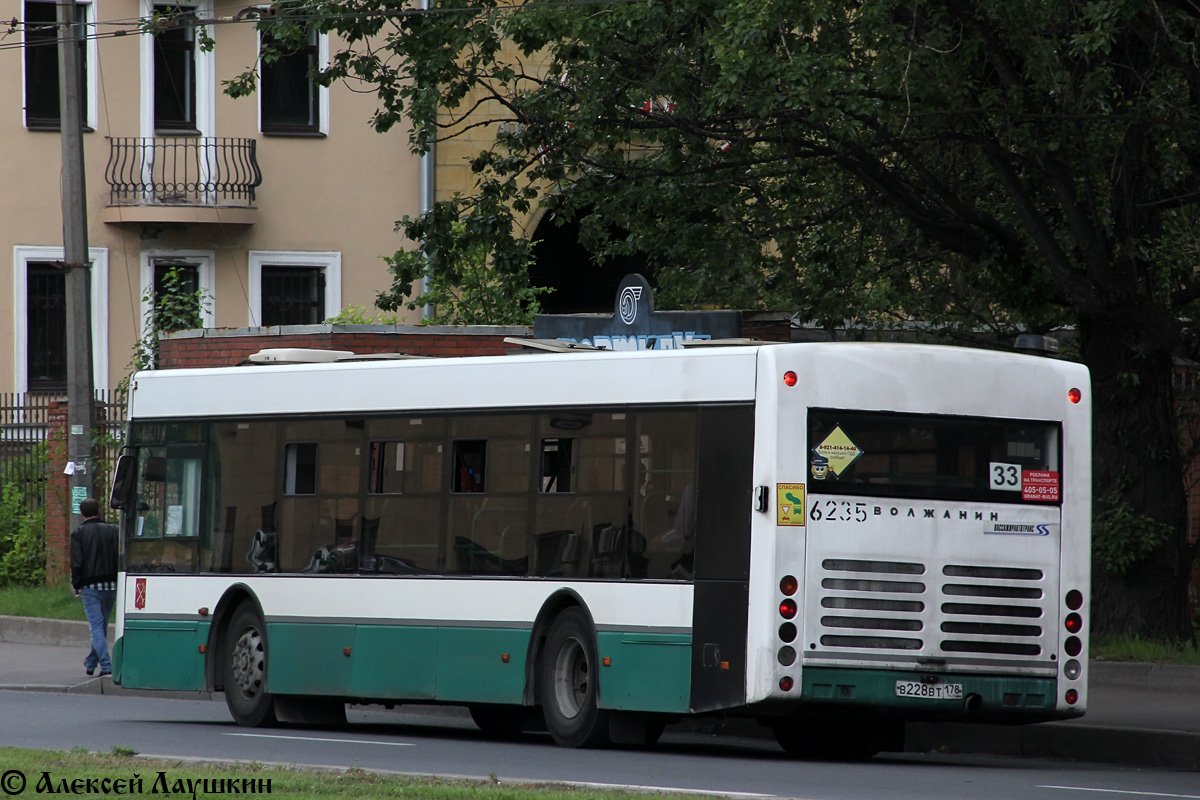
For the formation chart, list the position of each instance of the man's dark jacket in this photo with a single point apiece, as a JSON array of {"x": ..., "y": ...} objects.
[{"x": 93, "y": 553}]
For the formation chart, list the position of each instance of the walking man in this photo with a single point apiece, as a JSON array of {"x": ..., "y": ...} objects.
[{"x": 94, "y": 577}]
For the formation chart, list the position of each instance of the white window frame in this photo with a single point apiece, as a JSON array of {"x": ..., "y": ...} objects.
[
  {"x": 322, "y": 91},
  {"x": 90, "y": 54},
  {"x": 206, "y": 73},
  {"x": 206, "y": 263},
  {"x": 22, "y": 256},
  {"x": 330, "y": 262}
]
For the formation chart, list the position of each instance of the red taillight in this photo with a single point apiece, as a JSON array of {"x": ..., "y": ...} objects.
[
  {"x": 1072, "y": 697},
  {"x": 1074, "y": 623},
  {"x": 790, "y": 378},
  {"x": 786, "y": 683},
  {"x": 789, "y": 585},
  {"x": 1074, "y": 395},
  {"x": 787, "y": 609}
]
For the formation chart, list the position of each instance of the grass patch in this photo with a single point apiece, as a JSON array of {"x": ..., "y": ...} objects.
[
  {"x": 295, "y": 784},
  {"x": 53, "y": 602},
  {"x": 1131, "y": 648}
]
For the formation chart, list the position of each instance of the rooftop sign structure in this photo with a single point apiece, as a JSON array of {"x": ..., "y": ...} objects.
[{"x": 635, "y": 325}]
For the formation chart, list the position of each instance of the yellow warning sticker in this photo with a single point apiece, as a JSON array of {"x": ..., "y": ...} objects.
[
  {"x": 835, "y": 454},
  {"x": 789, "y": 504}
]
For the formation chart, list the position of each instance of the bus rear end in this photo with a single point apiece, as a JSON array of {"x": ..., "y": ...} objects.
[{"x": 927, "y": 553}]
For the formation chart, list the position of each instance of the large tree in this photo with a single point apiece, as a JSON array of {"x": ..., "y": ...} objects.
[{"x": 983, "y": 166}]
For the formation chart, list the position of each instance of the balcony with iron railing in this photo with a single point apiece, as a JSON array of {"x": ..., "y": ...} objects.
[{"x": 182, "y": 179}]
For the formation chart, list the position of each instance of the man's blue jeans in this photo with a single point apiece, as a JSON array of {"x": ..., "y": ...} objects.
[{"x": 98, "y": 605}]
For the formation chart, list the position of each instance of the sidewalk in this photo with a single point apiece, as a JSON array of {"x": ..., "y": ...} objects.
[{"x": 1139, "y": 714}]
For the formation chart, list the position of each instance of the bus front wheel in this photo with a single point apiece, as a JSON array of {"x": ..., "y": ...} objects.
[
  {"x": 570, "y": 683},
  {"x": 244, "y": 666}
]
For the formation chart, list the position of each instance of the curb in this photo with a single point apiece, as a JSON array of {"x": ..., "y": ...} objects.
[
  {"x": 37, "y": 630},
  {"x": 1154, "y": 677}
]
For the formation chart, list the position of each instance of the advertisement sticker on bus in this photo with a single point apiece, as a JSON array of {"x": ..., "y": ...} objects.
[
  {"x": 834, "y": 454},
  {"x": 789, "y": 504},
  {"x": 1039, "y": 485}
]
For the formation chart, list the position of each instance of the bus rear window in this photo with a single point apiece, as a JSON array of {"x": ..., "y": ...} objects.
[{"x": 880, "y": 454}]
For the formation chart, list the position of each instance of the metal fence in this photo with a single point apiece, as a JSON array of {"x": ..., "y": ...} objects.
[
  {"x": 25, "y": 434},
  {"x": 182, "y": 170}
]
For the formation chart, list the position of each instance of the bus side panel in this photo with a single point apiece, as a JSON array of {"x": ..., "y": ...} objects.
[
  {"x": 395, "y": 662},
  {"x": 648, "y": 672},
  {"x": 724, "y": 506},
  {"x": 309, "y": 658},
  {"x": 481, "y": 665},
  {"x": 161, "y": 654}
]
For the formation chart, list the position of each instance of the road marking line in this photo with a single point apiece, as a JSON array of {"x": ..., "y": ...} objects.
[
  {"x": 1123, "y": 791},
  {"x": 321, "y": 739},
  {"x": 630, "y": 787}
]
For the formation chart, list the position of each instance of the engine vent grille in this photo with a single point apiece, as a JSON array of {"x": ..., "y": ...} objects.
[{"x": 893, "y": 605}]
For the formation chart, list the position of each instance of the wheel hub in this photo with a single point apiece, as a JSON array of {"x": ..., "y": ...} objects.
[
  {"x": 248, "y": 663},
  {"x": 571, "y": 678}
]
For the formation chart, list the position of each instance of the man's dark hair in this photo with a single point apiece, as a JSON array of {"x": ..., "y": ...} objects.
[{"x": 89, "y": 508}]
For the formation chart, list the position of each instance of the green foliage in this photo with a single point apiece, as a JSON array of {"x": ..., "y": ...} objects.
[
  {"x": 883, "y": 161},
  {"x": 1133, "y": 648},
  {"x": 47, "y": 602},
  {"x": 1122, "y": 537},
  {"x": 357, "y": 315},
  {"x": 472, "y": 293},
  {"x": 22, "y": 538},
  {"x": 285, "y": 781}
]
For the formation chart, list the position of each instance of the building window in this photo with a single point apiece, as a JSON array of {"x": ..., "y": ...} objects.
[
  {"x": 39, "y": 318},
  {"x": 194, "y": 273},
  {"x": 41, "y": 65},
  {"x": 175, "y": 277},
  {"x": 175, "y": 71},
  {"x": 294, "y": 288},
  {"x": 46, "y": 316},
  {"x": 293, "y": 295},
  {"x": 290, "y": 102}
]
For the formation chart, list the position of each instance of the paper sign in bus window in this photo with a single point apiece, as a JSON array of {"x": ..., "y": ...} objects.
[{"x": 834, "y": 454}]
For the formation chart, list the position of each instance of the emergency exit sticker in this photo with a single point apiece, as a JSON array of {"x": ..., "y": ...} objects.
[
  {"x": 1039, "y": 485},
  {"x": 789, "y": 504}
]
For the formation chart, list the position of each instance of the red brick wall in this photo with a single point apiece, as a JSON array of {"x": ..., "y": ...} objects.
[
  {"x": 58, "y": 498},
  {"x": 218, "y": 348}
]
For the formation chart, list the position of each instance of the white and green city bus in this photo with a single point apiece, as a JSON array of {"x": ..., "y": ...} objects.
[{"x": 833, "y": 539}]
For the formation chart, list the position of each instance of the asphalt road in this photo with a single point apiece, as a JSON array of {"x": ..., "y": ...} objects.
[{"x": 447, "y": 744}]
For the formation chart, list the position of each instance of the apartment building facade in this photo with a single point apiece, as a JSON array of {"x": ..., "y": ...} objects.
[{"x": 277, "y": 206}]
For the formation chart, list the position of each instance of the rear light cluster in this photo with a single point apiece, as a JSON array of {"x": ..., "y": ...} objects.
[
  {"x": 1073, "y": 645},
  {"x": 788, "y": 585}
]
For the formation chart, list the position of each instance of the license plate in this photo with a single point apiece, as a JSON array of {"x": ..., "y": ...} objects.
[{"x": 929, "y": 691}]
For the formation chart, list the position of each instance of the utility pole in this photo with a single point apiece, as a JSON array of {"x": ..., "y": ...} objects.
[{"x": 81, "y": 414}]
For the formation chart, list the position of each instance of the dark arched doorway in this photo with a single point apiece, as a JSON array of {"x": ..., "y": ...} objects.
[{"x": 580, "y": 285}]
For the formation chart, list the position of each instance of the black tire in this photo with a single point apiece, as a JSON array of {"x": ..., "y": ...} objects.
[
  {"x": 570, "y": 683},
  {"x": 244, "y": 669}
]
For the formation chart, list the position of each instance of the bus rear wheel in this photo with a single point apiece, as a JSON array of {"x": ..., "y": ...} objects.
[
  {"x": 244, "y": 669},
  {"x": 570, "y": 683}
]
